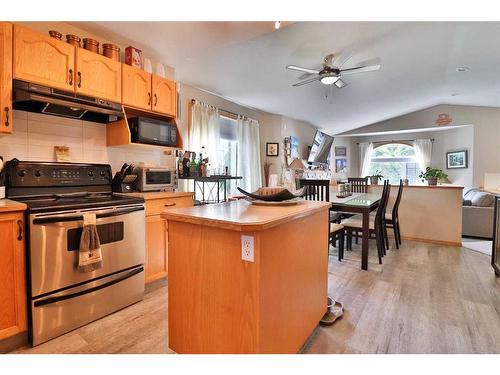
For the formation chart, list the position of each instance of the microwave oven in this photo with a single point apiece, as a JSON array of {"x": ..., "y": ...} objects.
[
  {"x": 152, "y": 131},
  {"x": 155, "y": 178}
]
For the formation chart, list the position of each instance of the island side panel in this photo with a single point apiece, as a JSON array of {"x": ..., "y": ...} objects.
[
  {"x": 212, "y": 293},
  {"x": 293, "y": 282}
]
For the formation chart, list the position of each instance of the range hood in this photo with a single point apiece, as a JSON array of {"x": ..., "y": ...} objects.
[{"x": 42, "y": 99}]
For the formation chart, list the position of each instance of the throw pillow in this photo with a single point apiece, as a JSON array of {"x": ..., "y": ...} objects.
[{"x": 482, "y": 199}]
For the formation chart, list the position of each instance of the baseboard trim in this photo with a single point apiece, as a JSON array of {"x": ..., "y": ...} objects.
[
  {"x": 14, "y": 342},
  {"x": 435, "y": 242}
]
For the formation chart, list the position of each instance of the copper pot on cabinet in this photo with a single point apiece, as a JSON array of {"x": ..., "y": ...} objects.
[
  {"x": 55, "y": 34},
  {"x": 111, "y": 50},
  {"x": 73, "y": 40},
  {"x": 91, "y": 45}
]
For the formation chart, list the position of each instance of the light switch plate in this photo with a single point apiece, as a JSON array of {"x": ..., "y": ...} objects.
[{"x": 247, "y": 248}]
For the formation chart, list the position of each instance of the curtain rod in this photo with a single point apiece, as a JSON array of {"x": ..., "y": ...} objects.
[
  {"x": 224, "y": 113},
  {"x": 394, "y": 141}
]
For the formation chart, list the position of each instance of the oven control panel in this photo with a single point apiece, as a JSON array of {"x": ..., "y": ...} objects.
[{"x": 31, "y": 174}]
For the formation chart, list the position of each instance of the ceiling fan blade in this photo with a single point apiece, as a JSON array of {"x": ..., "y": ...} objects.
[
  {"x": 339, "y": 83},
  {"x": 300, "y": 69},
  {"x": 360, "y": 69},
  {"x": 307, "y": 81}
]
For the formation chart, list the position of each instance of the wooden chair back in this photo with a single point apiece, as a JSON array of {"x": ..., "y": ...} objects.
[
  {"x": 358, "y": 184},
  {"x": 380, "y": 214},
  {"x": 316, "y": 190},
  {"x": 395, "y": 208}
]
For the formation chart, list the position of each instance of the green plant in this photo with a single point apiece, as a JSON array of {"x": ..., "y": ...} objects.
[
  {"x": 432, "y": 173},
  {"x": 378, "y": 175}
]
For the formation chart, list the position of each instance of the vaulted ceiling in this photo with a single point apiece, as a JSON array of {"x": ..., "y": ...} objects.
[{"x": 245, "y": 62}]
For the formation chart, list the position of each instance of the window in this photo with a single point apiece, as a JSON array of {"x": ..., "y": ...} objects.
[
  {"x": 395, "y": 161},
  {"x": 227, "y": 154}
]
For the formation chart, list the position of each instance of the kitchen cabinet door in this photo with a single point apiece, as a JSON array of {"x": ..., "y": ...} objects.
[
  {"x": 43, "y": 60},
  {"x": 164, "y": 96},
  {"x": 98, "y": 76},
  {"x": 136, "y": 87},
  {"x": 5, "y": 77},
  {"x": 156, "y": 248},
  {"x": 13, "y": 308}
]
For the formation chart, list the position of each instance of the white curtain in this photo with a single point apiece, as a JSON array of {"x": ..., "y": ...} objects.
[
  {"x": 365, "y": 153},
  {"x": 423, "y": 153},
  {"x": 205, "y": 131},
  {"x": 248, "y": 162}
]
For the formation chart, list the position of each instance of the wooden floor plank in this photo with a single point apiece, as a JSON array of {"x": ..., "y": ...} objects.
[{"x": 424, "y": 299}]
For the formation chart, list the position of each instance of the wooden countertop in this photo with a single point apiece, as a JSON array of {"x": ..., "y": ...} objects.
[
  {"x": 7, "y": 205},
  {"x": 158, "y": 194},
  {"x": 243, "y": 216}
]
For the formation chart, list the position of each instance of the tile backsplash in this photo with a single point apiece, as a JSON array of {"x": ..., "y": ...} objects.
[{"x": 35, "y": 135}]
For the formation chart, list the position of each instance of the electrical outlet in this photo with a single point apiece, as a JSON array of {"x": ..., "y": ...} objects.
[{"x": 247, "y": 252}]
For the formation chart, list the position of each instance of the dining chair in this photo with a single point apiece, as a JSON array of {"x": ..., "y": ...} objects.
[
  {"x": 316, "y": 190},
  {"x": 337, "y": 234},
  {"x": 376, "y": 225},
  {"x": 392, "y": 219},
  {"x": 358, "y": 184}
]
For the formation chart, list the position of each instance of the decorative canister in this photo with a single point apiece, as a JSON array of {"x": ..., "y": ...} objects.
[
  {"x": 111, "y": 50},
  {"x": 73, "y": 40},
  {"x": 55, "y": 34},
  {"x": 91, "y": 44}
]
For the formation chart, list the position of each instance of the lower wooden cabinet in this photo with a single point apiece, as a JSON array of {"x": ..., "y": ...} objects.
[
  {"x": 156, "y": 248},
  {"x": 13, "y": 308},
  {"x": 157, "y": 233}
]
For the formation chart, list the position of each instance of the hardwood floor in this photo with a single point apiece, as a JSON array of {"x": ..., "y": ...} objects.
[{"x": 423, "y": 299}]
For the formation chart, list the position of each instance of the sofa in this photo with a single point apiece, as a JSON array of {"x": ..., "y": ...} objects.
[{"x": 477, "y": 213}]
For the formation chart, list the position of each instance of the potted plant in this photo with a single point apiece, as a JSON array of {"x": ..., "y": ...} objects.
[
  {"x": 432, "y": 175},
  {"x": 376, "y": 177}
]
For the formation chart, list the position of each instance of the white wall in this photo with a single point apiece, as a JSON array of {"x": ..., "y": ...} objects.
[
  {"x": 461, "y": 138},
  {"x": 485, "y": 155},
  {"x": 273, "y": 128}
]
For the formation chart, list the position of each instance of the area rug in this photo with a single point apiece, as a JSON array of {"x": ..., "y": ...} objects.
[{"x": 483, "y": 246}]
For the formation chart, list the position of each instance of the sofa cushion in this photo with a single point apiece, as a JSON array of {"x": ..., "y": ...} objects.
[{"x": 482, "y": 199}]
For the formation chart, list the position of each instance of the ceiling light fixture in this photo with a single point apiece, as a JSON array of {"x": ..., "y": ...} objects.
[
  {"x": 462, "y": 69},
  {"x": 329, "y": 80},
  {"x": 277, "y": 25}
]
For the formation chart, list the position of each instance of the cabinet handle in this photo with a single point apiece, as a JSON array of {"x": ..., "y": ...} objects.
[
  {"x": 6, "y": 116},
  {"x": 19, "y": 230},
  {"x": 170, "y": 204},
  {"x": 71, "y": 77},
  {"x": 156, "y": 99},
  {"x": 149, "y": 98},
  {"x": 79, "y": 79}
]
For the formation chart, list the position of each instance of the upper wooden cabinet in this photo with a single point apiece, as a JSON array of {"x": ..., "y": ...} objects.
[
  {"x": 164, "y": 96},
  {"x": 42, "y": 59},
  {"x": 136, "y": 87},
  {"x": 98, "y": 76},
  {"x": 5, "y": 77},
  {"x": 13, "y": 308}
]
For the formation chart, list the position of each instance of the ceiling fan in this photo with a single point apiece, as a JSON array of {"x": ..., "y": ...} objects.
[{"x": 330, "y": 74}]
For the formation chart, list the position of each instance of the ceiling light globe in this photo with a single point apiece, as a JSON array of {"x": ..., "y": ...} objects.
[{"x": 329, "y": 80}]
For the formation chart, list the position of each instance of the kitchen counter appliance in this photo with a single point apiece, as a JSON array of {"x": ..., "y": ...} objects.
[
  {"x": 60, "y": 297},
  {"x": 155, "y": 178},
  {"x": 152, "y": 131}
]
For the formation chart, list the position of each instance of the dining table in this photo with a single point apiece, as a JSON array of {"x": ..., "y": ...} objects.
[{"x": 358, "y": 203}]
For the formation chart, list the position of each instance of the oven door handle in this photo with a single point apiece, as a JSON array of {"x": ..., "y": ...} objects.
[
  {"x": 58, "y": 219},
  {"x": 50, "y": 300}
]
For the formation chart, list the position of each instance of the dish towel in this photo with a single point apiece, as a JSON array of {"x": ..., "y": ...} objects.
[{"x": 90, "y": 256}]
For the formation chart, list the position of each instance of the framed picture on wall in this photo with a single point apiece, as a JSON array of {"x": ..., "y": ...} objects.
[
  {"x": 340, "y": 165},
  {"x": 457, "y": 159},
  {"x": 272, "y": 149},
  {"x": 340, "y": 151}
]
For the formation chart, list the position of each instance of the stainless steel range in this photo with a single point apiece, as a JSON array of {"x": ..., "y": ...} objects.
[{"x": 62, "y": 298}]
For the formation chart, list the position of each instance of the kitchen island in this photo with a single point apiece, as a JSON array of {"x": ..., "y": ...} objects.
[{"x": 269, "y": 303}]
